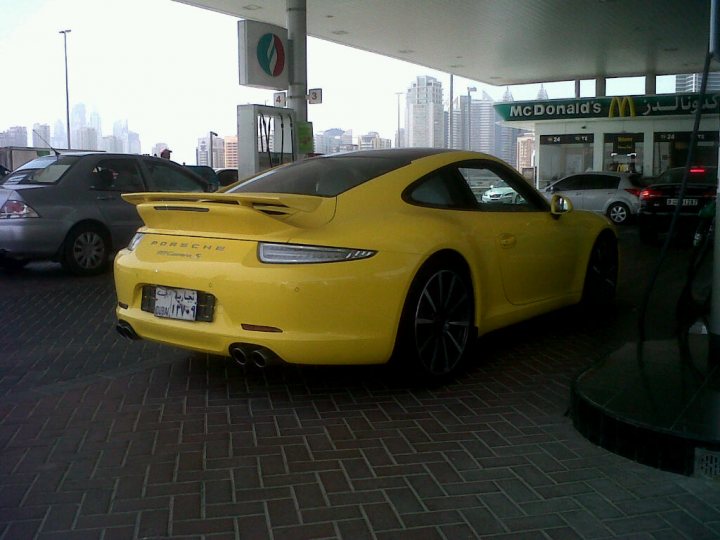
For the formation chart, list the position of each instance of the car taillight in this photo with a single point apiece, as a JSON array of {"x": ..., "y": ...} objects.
[
  {"x": 697, "y": 170},
  {"x": 648, "y": 193},
  {"x": 13, "y": 209},
  {"x": 633, "y": 191}
]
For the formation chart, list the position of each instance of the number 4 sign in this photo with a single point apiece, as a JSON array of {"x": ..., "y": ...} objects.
[{"x": 279, "y": 99}]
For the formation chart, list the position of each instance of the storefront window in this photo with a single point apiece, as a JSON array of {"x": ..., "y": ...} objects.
[
  {"x": 623, "y": 152},
  {"x": 671, "y": 150},
  {"x": 563, "y": 155}
]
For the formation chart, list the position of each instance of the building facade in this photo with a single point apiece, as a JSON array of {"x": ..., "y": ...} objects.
[
  {"x": 424, "y": 118},
  {"x": 643, "y": 134}
]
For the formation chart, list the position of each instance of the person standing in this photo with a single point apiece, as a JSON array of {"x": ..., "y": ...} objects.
[{"x": 165, "y": 153}]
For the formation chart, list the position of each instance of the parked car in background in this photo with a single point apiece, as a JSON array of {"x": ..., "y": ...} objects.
[
  {"x": 208, "y": 173},
  {"x": 659, "y": 200},
  {"x": 500, "y": 192},
  {"x": 227, "y": 176},
  {"x": 612, "y": 194},
  {"x": 68, "y": 208}
]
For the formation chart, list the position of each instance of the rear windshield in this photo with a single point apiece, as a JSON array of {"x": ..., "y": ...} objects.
[
  {"x": 322, "y": 176},
  {"x": 44, "y": 170},
  {"x": 698, "y": 175}
]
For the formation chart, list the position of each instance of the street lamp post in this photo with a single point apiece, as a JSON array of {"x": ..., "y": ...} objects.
[
  {"x": 470, "y": 89},
  {"x": 67, "y": 91},
  {"x": 397, "y": 140},
  {"x": 211, "y": 148}
]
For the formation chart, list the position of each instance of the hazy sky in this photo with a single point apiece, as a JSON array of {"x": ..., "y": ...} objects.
[{"x": 171, "y": 70}]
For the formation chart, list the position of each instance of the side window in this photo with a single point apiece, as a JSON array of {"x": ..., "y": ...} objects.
[
  {"x": 608, "y": 182},
  {"x": 497, "y": 189},
  {"x": 117, "y": 175},
  {"x": 166, "y": 178},
  {"x": 441, "y": 188}
]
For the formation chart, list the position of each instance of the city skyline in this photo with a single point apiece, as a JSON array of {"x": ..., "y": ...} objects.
[{"x": 174, "y": 77}]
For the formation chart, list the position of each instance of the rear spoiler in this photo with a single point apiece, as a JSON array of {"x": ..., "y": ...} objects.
[{"x": 270, "y": 201}]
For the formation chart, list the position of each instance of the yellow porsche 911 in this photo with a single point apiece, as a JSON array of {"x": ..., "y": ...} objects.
[{"x": 358, "y": 258}]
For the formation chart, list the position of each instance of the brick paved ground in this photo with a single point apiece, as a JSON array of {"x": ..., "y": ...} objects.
[{"x": 104, "y": 438}]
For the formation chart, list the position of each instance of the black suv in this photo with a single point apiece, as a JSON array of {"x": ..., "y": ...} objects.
[{"x": 659, "y": 200}]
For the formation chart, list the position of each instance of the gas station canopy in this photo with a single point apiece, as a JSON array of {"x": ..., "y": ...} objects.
[{"x": 508, "y": 42}]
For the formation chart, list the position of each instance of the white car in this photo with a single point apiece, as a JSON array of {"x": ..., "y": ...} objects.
[
  {"x": 501, "y": 193},
  {"x": 613, "y": 194}
]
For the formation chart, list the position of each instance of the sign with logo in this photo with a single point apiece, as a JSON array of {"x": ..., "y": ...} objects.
[
  {"x": 608, "y": 107},
  {"x": 262, "y": 55},
  {"x": 624, "y": 143}
]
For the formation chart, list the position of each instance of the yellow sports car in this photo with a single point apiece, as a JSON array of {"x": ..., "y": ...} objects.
[{"x": 357, "y": 258}]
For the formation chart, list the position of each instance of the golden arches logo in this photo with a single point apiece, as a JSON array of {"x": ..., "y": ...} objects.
[{"x": 619, "y": 106}]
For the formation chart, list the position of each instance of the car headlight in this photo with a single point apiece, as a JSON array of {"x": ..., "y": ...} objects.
[
  {"x": 507, "y": 194},
  {"x": 14, "y": 209},
  {"x": 135, "y": 241},
  {"x": 300, "y": 254}
]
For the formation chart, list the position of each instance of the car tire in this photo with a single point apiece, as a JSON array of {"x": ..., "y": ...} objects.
[
  {"x": 436, "y": 330},
  {"x": 619, "y": 213},
  {"x": 85, "y": 250},
  {"x": 601, "y": 275}
]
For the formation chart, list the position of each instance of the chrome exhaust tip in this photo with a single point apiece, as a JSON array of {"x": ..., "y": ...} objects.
[
  {"x": 238, "y": 354},
  {"x": 125, "y": 330},
  {"x": 261, "y": 357}
]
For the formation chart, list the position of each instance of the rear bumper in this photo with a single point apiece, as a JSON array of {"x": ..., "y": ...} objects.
[
  {"x": 336, "y": 313},
  {"x": 32, "y": 238}
]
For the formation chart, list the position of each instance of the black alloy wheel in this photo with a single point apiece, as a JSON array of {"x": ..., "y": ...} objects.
[
  {"x": 438, "y": 321},
  {"x": 619, "y": 213},
  {"x": 86, "y": 250},
  {"x": 602, "y": 271}
]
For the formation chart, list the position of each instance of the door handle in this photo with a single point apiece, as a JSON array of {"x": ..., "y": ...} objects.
[{"x": 507, "y": 240}]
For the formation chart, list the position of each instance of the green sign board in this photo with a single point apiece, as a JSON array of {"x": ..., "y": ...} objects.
[
  {"x": 607, "y": 107},
  {"x": 305, "y": 137}
]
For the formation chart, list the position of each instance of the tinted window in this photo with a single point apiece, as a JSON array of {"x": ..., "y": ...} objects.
[
  {"x": 167, "y": 178},
  {"x": 442, "y": 188},
  {"x": 697, "y": 175},
  {"x": 117, "y": 175},
  {"x": 324, "y": 176}
]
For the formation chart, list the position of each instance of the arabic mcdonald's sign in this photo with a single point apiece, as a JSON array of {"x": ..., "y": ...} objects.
[
  {"x": 621, "y": 105},
  {"x": 607, "y": 107}
]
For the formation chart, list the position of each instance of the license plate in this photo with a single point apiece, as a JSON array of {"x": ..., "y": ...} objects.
[
  {"x": 175, "y": 303},
  {"x": 686, "y": 202}
]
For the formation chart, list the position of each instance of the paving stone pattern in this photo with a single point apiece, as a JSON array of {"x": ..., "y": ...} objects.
[{"x": 105, "y": 438}]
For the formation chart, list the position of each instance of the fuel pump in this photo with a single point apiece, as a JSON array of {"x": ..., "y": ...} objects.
[{"x": 267, "y": 138}]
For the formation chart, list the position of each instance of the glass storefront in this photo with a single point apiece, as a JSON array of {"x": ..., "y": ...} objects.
[
  {"x": 623, "y": 152},
  {"x": 670, "y": 149},
  {"x": 563, "y": 155}
]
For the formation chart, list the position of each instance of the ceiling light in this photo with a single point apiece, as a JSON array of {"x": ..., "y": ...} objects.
[
  {"x": 339, "y": 32},
  {"x": 406, "y": 51},
  {"x": 252, "y": 7}
]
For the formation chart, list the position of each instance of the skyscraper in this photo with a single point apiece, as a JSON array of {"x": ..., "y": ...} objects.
[
  {"x": 231, "y": 151},
  {"x": 691, "y": 82},
  {"x": 41, "y": 135},
  {"x": 424, "y": 118}
]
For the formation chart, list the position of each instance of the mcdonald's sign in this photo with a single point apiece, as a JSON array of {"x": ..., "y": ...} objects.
[{"x": 620, "y": 105}]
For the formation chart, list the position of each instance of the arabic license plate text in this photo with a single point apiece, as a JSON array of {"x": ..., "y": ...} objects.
[
  {"x": 175, "y": 303},
  {"x": 686, "y": 202}
]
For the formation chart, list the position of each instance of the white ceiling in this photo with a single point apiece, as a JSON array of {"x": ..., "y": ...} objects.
[{"x": 502, "y": 42}]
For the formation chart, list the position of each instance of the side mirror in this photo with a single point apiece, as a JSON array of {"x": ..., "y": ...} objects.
[{"x": 560, "y": 205}]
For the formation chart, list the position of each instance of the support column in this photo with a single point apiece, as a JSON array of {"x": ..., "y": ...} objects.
[
  {"x": 650, "y": 84},
  {"x": 577, "y": 88},
  {"x": 450, "y": 116},
  {"x": 297, "y": 41},
  {"x": 600, "y": 87}
]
